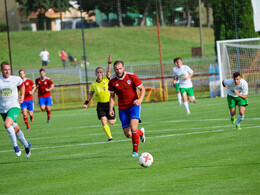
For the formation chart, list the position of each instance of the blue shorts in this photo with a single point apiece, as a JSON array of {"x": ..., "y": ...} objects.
[
  {"x": 28, "y": 104},
  {"x": 127, "y": 114},
  {"x": 45, "y": 101}
]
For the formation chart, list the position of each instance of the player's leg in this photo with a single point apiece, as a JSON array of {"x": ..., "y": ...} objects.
[
  {"x": 179, "y": 97},
  {"x": 184, "y": 98},
  {"x": 103, "y": 112},
  {"x": 106, "y": 128},
  {"x": 31, "y": 109},
  {"x": 242, "y": 103},
  {"x": 21, "y": 138},
  {"x": 178, "y": 93},
  {"x": 125, "y": 122},
  {"x": 48, "y": 110},
  {"x": 42, "y": 104},
  {"x": 190, "y": 94},
  {"x": 240, "y": 117},
  {"x": 25, "y": 118},
  {"x": 232, "y": 108},
  {"x": 31, "y": 114},
  {"x": 134, "y": 113},
  {"x": 9, "y": 118},
  {"x": 111, "y": 119},
  {"x": 48, "y": 102}
]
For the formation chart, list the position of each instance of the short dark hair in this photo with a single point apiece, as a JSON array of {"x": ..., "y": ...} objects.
[
  {"x": 21, "y": 71},
  {"x": 118, "y": 62},
  {"x": 41, "y": 70},
  {"x": 236, "y": 74},
  {"x": 4, "y": 63},
  {"x": 175, "y": 60},
  {"x": 178, "y": 58}
]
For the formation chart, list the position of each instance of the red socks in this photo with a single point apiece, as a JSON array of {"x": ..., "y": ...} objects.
[
  {"x": 48, "y": 114},
  {"x": 25, "y": 118},
  {"x": 135, "y": 139}
]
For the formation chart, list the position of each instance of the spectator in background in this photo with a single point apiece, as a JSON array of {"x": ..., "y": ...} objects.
[
  {"x": 63, "y": 56},
  {"x": 45, "y": 57},
  {"x": 71, "y": 59}
]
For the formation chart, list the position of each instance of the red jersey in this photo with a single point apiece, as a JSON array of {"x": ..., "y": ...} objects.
[
  {"x": 125, "y": 89},
  {"x": 42, "y": 85},
  {"x": 28, "y": 83}
]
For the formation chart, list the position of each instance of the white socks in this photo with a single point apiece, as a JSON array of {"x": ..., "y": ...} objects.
[
  {"x": 186, "y": 106},
  {"x": 21, "y": 138},
  {"x": 179, "y": 98},
  {"x": 239, "y": 119},
  {"x": 12, "y": 136}
]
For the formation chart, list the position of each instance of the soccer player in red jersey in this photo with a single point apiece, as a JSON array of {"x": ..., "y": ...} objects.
[
  {"x": 124, "y": 85},
  {"x": 44, "y": 86},
  {"x": 28, "y": 98}
]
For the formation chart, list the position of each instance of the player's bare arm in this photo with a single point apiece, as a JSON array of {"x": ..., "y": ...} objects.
[
  {"x": 22, "y": 88},
  {"x": 51, "y": 88},
  {"x": 240, "y": 95},
  {"x": 90, "y": 95},
  {"x": 175, "y": 79},
  {"x": 190, "y": 75},
  {"x": 33, "y": 90},
  {"x": 142, "y": 94},
  {"x": 109, "y": 66},
  {"x": 111, "y": 104}
]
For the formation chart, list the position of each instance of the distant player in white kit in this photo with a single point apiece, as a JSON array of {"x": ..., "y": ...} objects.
[
  {"x": 10, "y": 107},
  {"x": 183, "y": 73},
  {"x": 177, "y": 84},
  {"x": 237, "y": 90}
]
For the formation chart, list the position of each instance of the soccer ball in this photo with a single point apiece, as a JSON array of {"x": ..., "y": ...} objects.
[{"x": 145, "y": 159}]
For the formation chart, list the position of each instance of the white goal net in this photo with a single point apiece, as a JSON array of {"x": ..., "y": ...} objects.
[{"x": 242, "y": 55}]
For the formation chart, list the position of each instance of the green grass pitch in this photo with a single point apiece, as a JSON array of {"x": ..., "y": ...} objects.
[{"x": 198, "y": 154}]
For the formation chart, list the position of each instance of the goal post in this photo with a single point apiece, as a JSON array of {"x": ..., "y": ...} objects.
[{"x": 242, "y": 55}]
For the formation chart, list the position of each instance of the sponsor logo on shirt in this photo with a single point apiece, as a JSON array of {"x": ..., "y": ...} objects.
[
  {"x": 182, "y": 76},
  {"x": 6, "y": 92}
]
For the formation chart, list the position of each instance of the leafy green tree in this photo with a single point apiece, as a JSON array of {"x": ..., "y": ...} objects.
[
  {"x": 224, "y": 19},
  {"x": 29, "y": 6}
]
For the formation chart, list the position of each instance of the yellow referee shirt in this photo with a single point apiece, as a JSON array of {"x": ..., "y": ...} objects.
[{"x": 101, "y": 90}]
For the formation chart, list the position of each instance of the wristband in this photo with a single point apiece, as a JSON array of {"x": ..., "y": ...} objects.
[
  {"x": 86, "y": 102},
  {"x": 109, "y": 62}
]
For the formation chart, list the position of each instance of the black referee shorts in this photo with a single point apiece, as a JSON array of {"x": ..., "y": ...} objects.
[{"x": 103, "y": 110}]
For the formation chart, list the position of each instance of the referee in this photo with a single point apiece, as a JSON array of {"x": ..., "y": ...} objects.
[{"x": 100, "y": 89}]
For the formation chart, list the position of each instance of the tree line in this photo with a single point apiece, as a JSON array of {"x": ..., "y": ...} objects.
[{"x": 225, "y": 12}]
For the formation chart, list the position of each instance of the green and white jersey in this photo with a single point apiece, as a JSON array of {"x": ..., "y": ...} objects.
[
  {"x": 242, "y": 87},
  {"x": 174, "y": 75},
  {"x": 9, "y": 93},
  {"x": 181, "y": 73}
]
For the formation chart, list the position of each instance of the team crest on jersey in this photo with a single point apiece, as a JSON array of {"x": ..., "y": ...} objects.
[
  {"x": 45, "y": 83},
  {"x": 26, "y": 83},
  {"x": 104, "y": 88},
  {"x": 128, "y": 82}
]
